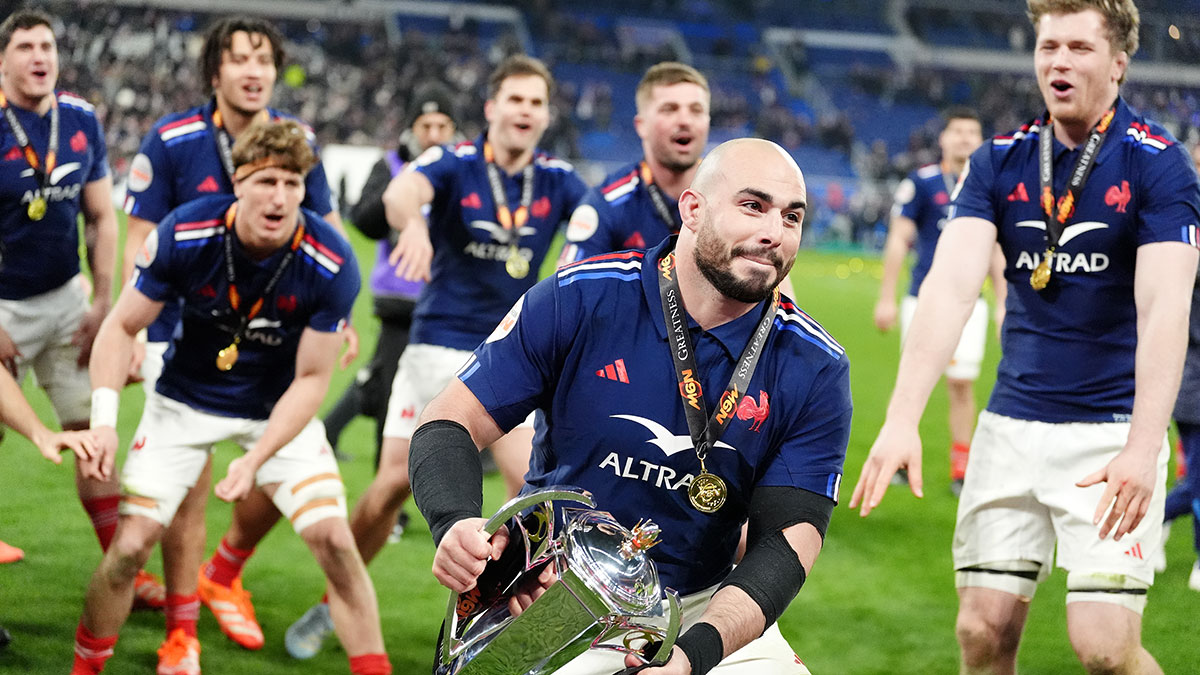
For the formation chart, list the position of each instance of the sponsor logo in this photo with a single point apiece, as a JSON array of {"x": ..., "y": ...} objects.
[
  {"x": 499, "y": 234},
  {"x": 141, "y": 173},
  {"x": 79, "y": 141},
  {"x": 55, "y": 192},
  {"x": 666, "y": 265},
  {"x": 264, "y": 332},
  {"x": 1018, "y": 194},
  {"x": 507, "y": 323},
  {"x": 1135, "y": 551},
  {"x": 690, "y": 390},
  {"x": 584, "y": 223},
  {"x": 1069, "y": 232},
  {"x": 758, "y": 411},
  {"x": 209, "y": 184},
  {"x": 614, "y": 371},
  {"x": 540, "y": 208},
  {"x": 149, "y": 249},
  {"x": 664, "y": 440},
  {"x": 727, "y": 406},
  {"x": 496, "y": 252},
  {"x": 471, "y": 201},
  {"x": 1118, "y": 196},
  {"x": 647, "y": 472}
]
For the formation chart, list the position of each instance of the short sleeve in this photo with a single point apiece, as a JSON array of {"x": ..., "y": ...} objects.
[
  {"x": 100, "y": 158},
  {"x": 589, "y": 231},
  {"x": 812, "y": 454},
  {"x": 905, "y": 199},
  {"x": 316, "y": 191},
  {"x": 973, "y": 194},
  {"x": 153, "y": 272},
  {"x": 439, "y": 164},
  {"x": 149, "y": 187},
  {"x": 514, "y": 369},
  {"x": 337, "y": 298},
  {"x": 1169, "y": 209}
]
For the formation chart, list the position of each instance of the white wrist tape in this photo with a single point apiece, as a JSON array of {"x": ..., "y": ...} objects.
[{"x": 105, "y": 402}]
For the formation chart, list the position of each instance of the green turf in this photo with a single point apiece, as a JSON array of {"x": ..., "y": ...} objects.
[{"x": 880, "y": 600}]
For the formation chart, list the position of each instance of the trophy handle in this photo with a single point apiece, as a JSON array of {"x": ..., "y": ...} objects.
[
  {"x": 629, "y": 631},
  {"x": 450, "y": 642}
]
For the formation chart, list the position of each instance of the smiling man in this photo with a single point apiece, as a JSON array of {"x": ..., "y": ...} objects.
[
  {"x": 494, "y": 205},
  {"x": 266, "y": 287},
  {"x": 1096, "y": 210},
  {"x": 643, "y": 442},
  {"x": 55, "y": 168},
  {"x": 637, "y": 206}
]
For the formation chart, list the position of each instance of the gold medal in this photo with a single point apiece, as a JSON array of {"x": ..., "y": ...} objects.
[
  {"x": 516, "y": 266},
  {"x": 707, "y": 492},
  {"x": 37, "y": 208},
  {"x": 227, "y": 357},
  {"x": 1041, "y": 274}
]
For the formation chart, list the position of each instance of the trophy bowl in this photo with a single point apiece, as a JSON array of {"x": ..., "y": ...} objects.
[{"x": 606, "y": 593}]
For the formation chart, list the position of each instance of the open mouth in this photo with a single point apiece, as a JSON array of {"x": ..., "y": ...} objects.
[
  {"x": 40, "y": 73},
  {"x": 1061, "y": 86},
  {"x": 682, "y": 141},
  {"x": 254, "y": 89},
  {"x": 274, "y": 219},
  {"x": 523, "y": 126}
]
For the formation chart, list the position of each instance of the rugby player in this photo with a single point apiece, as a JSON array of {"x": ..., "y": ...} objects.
[
  {"x": 1095, "y": 208},
  {"x": 266, "y": 287},
  {"x": 643, "y": 444}
]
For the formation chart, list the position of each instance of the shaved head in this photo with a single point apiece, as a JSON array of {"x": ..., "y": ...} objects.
[{"x": 730, "y": 158}]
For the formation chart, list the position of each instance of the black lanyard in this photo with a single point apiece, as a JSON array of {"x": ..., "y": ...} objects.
[
  {"x": 1059, "y": 211},
  {"x": 706, "y": 431},
  {"x": 510, "y": 221},
  {"x": 673, "y": 221},
  {"x": 225, "y": 141},
  {"x": 41, "y": 174},
  {"x": 234, "y": 299}
]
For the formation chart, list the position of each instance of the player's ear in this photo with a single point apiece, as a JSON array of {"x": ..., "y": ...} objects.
[
  {"x": 238, "y": 187},
  {"x": 690, "y": 205}
]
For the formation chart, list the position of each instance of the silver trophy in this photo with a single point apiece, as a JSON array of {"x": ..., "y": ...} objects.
[{"x": 606, "y": 590}]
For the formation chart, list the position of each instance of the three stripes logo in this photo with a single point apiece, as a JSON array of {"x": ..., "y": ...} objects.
[
  {"x": 614, "y": 371},
  {"x": 1135, "y": 551}
]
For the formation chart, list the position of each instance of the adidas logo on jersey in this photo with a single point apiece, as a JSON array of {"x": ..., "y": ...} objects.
[
  {"x": 1135, "y": 551},
  {"x": 614, "y": 371},
  {"x": 209, "y": 184}
]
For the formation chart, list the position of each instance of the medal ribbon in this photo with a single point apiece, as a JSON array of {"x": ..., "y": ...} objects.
[
  {"x": 41, "y": 174},
  {"x": 235, "y": 299},
  {"x": 225, "y": 141},
  {"x": 673, "y": 221},
  {"x": 706, "y": 431},
  {"x": 1058, "y": 212},
  {"x": 510, "y": 221}
]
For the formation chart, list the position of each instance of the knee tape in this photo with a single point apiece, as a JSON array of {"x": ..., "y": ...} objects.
[
  {"x": 1118, "y": 589},
  {"x": 157, "y": 505},
  {"x": 1019, "y": 577},
  {"x": 312, "y": 499}
]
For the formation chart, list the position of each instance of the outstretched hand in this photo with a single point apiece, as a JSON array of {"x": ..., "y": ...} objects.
[{"x": 897, "y": 447}]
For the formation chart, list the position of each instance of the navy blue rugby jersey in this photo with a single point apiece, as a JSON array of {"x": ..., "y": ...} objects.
[
  {"x": 39, "y": 256},
  {"x": 184, "y": 260},
  {"x": 1068, "y": 351},
  {"x": 180, "y": 161},
  {"x": 469, "y": 290},
  {"x": 588, "y": 347},
  {"x": 618, "y": 215},
  {"x": 924, "y": 198}
]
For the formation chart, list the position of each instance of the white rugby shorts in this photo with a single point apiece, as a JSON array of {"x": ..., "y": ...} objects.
[
  {"x": 173, "y": 442},
  {"x": 152, "y": 365},
  {"x": 769, "y": 653},
  {"x": 1020, "y": 498},
  {"x": 968, "y": 355},
  {"x": 42, "y": 327},
  {"x": 424, "y": 371}
]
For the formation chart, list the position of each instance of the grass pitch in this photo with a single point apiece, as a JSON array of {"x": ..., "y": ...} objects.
[{"x": 880, "y": 600}]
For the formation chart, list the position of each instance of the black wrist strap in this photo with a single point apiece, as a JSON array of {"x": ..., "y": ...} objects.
[
  {"x": 704, "y": 647},
  {"x": 446, "y": 475}
]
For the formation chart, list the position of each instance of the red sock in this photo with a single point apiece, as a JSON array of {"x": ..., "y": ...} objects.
[
  {"x": 370, "y": 664},
  {"x": 91, "y": 652},
  {"x": 103, "y": 512},
  {"x": 226, "y": 563},
  {"x": 958, "y": 460},
  {"x": 182, "y": 613}
]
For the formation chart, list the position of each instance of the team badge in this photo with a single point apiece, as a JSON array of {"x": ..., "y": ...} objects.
[
  {"x": 148, "y": 250},
  {"x": 141, "y": 173},
  {"x": 584, "y": 222}
]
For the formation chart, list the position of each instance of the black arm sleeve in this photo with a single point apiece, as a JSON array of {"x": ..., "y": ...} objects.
[
  {"x": 368, "y": 214},
  {"x": 770, "y": 573},
  {"x": 446, "y": 475}
]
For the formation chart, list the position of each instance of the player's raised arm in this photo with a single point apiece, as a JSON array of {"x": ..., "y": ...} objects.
[
  {"x": 403, "y": 200},
  {"x": 949, "y": 293}
]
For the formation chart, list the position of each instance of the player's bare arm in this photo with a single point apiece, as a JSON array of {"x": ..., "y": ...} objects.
[
  {"x": 136, "y": 231},
  {"x": 1162, "y": 289},
  {"x": 113, "y": 348},
  {"x": 315, "y": 358},
  {"x": 349, "y": 333},
  {"x": 999, "y": 286},
  {"x": 403, "y": 200},
  {"x": 16, "y": 412},
  {"x": 947, "y": 297},
  {"x": 902, "y": 232},
  {"x": 100, "y": 235}
]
